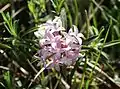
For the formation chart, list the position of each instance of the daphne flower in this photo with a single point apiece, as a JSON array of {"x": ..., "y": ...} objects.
[{"x": 57, "y": 45}]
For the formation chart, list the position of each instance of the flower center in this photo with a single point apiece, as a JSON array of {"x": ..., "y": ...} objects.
[{"x": 64, "y": 46}]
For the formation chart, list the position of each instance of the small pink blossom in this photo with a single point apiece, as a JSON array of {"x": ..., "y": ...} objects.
[{"x": 59, "y": 46}]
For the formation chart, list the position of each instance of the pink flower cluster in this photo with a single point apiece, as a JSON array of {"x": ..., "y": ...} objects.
[{"x": 59, "y": 46}]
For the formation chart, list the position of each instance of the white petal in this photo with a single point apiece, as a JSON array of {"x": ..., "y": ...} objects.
[
  {"x": 81, "y": 35},
  {"x": 73, "y": 30}
]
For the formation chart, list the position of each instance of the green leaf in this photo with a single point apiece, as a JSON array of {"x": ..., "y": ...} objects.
[
  {"x": 30, "y": 31},
  {"x": 10, "y": 24},
  {"x": 95, "y": 30},
  {"x": 8, "y": 80},
  {"x": 60, "y": 5},
  {"x": 31, "y": 6},
  {"x": 4, "y": 46},
  {"x": 112, "y": 43},
  {"x": 63, "y": 17},
  {"x": 90, "y": 39}
]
